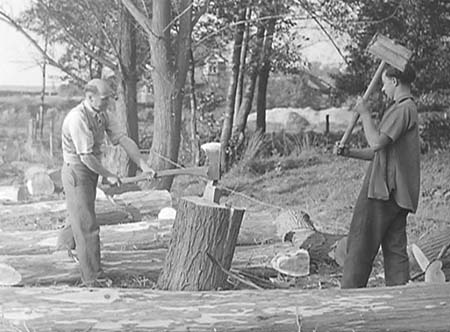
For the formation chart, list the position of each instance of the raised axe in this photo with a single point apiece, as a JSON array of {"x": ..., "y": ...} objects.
[
  {"x": 390, "y": 53},
  {"x": 210, "y": 171}
]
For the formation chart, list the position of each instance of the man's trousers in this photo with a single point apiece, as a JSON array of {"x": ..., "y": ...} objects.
[
  {"x": 374, "y": 223},
  {"x": 80, "y": 184}
]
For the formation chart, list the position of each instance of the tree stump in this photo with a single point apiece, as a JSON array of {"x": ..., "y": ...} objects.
[{"x": 200, "y": 227}]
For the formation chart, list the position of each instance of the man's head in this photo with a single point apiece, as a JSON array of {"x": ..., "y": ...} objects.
[
  {"x": 394, "y": 79},
  {"x": 98, "y": 92}
]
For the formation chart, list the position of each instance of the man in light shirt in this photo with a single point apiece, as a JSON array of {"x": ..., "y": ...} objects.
[{"x": 83, "y": 133}]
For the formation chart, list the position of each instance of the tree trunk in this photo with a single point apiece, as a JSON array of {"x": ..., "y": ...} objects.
[
  {"x": 246, "y": 105},
  {"x": 195, "y": 141},
  {"x": 170, "y": 64},
  {"x": 408, "y": 308},
  {"x": 126, "y": 103},
  {"x": 231, "y": 95},
  {"x": 242, "y": 63},
  {"x": 127, "y": 207},
  {"x": 263, "y": 78},
  {"x": 200, "y": 228}
]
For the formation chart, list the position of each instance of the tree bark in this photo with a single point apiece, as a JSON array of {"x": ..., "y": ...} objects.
[
  {"x": 170, "y": 64},
  {"x": 231, "y": 94},
  {"x": 407, "y": 308},
  {"x": 126, "y": 103},
  {"x": 263, "y": 78},
  {"x": 200, "y": 228},
  {"x": 242, "y": 63},
  {"x": 195, "y": 141},
  {"x": 127, "y": 207},
  {"x": 246, "y": 105}
]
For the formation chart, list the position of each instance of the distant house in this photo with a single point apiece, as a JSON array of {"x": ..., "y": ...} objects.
[{"x": 212, "y": 71}]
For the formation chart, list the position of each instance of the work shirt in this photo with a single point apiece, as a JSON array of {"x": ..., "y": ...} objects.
[
  {"x": 396, "y": 167},
  {"x": 83, "y": 132}
]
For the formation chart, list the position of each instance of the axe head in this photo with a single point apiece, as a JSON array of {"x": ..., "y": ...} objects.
[
  {"x": 389, "y": 51},
  {"x": 212, "y": 151}
]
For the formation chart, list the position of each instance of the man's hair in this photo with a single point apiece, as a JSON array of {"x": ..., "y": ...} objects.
[{"x": 407, "y": 76}]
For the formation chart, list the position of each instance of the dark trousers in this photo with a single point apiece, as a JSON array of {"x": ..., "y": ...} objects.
[
  {"x": 374, "y": 223},
  {"x": 81, "y": 230}
]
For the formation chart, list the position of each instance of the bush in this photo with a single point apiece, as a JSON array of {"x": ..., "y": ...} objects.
[{"x": 434, "y": 130}]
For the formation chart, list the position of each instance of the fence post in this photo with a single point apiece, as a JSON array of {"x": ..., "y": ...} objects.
[{"x": 327, "y": 124}]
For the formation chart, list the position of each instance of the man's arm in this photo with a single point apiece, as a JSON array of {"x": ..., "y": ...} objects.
[
  {"x": 96, "y": 166},
  {"x": 133, "y": 152},
  {"x": 376, "y": 140},
  {"x": 363, "y": 154}
]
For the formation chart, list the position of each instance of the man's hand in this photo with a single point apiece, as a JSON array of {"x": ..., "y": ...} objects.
[
  {"x": 113, "y": 180},
  {"x": 341, "y": 150},
  {"x": 147, "y": 169},
  {"x": 362, "y": 107}
]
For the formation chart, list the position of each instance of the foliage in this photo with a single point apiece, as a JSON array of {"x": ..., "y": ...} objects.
[
  {"x": 423, "y": 26},
  {"x": 434, "y": 128}
]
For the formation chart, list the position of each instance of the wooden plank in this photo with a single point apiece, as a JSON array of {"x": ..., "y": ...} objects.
[{"x": 64, "y": 309}]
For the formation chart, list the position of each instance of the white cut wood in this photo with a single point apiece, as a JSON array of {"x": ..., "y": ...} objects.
[
  {"x": 13, "y": 194},
  {"x": 416, "y": 308},
  {"x": 9, "y": 276},
  {"x": 294, "y": 264}
]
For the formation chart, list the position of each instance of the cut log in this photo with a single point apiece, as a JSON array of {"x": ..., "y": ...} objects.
[
  {"x": 201, "y": 227},
  {"x": 13, "y": 194},
  {"x": 128, "y": 207},
  {"x": 428, "y": 247},
  {"x": 38, "y": 181},
  {"x": 408, "y": 308}
]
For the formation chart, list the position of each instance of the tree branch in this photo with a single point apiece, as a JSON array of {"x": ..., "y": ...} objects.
[
  {"x": 6, "y": 18},
  {"x": 105, "y": 33},
  {"x": 143, "y": 21},
  {"x": 75, "y": 41}
]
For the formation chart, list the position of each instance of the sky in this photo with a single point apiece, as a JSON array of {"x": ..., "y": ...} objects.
[{"x": 19, "y": 59}]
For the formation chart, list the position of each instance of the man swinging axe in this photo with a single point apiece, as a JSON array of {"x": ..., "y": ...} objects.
[
  {"x": 391, "y": 186},
  {"x": 83, "y": 132}
]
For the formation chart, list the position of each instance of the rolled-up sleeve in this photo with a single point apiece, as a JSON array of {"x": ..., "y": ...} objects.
[
  {"x": 114, "y": 128},
  {"x": 82, "y": 137}
]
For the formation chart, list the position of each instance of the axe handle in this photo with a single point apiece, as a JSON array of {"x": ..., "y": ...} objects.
[
  {"x": 197, "y": 171},
  {"x": 369, "y": 91}
]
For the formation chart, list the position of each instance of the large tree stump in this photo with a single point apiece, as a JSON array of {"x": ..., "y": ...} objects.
[{"x": 200, "y": 227}]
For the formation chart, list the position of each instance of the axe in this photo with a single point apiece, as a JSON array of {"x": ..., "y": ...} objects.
[
  {"x": 390, "y": 53},
  {"x": 211, "y": 170}
]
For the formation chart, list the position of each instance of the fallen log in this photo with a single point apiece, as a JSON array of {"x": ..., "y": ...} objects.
[
  {"x": 127, "y": 207},
  {"x": 406, "y": 308},
  {"x": 143, "y": 235},
  {"x": 59, "y": 268}
]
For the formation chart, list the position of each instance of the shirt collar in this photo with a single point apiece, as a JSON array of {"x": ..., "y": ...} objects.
[
  {"x": 402, "y": 97},
  {"x": 90, "y": 110}
]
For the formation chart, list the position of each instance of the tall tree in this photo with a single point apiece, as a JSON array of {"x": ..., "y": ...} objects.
[{"x": 168, "y": 29}]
